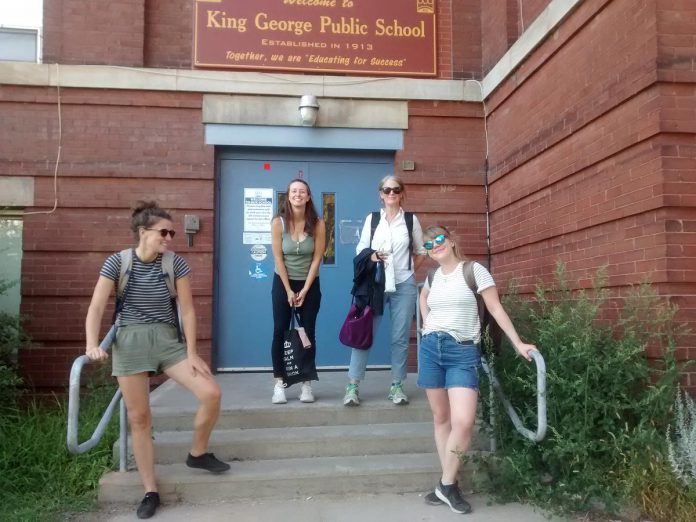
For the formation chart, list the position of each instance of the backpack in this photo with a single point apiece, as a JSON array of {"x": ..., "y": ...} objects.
[
  {"x": 408, "y": 217},
  {"x": 167, "y": 275},
  {"x": 491, "y": 333}
]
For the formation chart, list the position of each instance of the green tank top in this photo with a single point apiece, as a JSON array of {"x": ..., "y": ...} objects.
[{"x": 297, "y": 256}]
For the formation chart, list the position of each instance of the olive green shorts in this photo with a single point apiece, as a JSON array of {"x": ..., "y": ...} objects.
[{"x": 151, "y": 347}]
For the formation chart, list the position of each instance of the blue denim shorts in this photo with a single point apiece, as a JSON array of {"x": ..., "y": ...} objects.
[{"x": 445, "y": 363}]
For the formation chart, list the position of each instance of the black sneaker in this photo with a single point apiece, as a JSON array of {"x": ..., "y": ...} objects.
[
  {"x": 148, "y": 505},
  {"x": 432, "y": 500},
  {"x": 208, "y": 462},
  {"x": 451, "y": 496}
]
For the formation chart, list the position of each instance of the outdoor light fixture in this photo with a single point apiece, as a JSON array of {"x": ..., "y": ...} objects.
[{"x": 309, "y": 108}]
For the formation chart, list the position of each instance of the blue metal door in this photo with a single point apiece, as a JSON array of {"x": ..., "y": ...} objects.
[{"x": 344, "y": 189}]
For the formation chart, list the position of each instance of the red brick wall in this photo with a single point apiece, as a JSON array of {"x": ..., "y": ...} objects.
[
  {"x": 88, "y": 32},
  {"x": 446, "y": 142},
  {"x": 169, "y": 33},
  {"x": 118, "y": 146},
  {"x": 591, "y": 155},
  {"x": 466, "y": 39}
]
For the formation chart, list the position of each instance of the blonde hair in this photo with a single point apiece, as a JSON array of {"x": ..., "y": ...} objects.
[{"x": 433, "y": 231}]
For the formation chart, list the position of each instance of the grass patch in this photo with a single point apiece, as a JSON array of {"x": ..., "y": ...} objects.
[{"x": 39, "y": 479}]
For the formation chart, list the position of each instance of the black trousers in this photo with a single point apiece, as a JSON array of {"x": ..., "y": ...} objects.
[{"x": 281, "y": 321}]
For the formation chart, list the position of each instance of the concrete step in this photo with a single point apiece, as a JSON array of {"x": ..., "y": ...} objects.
[
  {"x": 316, "y": 441},
  {"x": 285, "y": 479},
  {"x": 297, "y": 415},
  {"x": 246, "y": 403}
]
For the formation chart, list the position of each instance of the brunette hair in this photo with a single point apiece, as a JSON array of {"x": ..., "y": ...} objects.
[
  {"x": 145, "y": 214},
  {"x": 311, "y": 215},
  {"x": 435, "y": 230}
]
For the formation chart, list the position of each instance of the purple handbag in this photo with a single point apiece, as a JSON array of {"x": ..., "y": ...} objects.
[{"x": 356, "y": 331}]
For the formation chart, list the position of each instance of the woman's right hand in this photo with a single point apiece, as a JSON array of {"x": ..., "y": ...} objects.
[
  {"x": 377, "y": 256},
  {"x": 291, "y": 298},
  {"x": 95, "y": 353}
]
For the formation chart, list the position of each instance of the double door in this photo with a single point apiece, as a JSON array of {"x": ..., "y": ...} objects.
[{"x": 251, "y": 187}]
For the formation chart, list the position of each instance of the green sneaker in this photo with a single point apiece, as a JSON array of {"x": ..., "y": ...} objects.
[
  {"x": 351, "y": 396},
  {"x": 396, "y": 394}
]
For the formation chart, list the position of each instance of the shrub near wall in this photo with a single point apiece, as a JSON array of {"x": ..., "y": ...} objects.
[{"x": 607, "y": 407}]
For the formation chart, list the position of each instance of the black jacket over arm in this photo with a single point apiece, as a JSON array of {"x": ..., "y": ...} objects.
[{"x": 365, "y": 289}]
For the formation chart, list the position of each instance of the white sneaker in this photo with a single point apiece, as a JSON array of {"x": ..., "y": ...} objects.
[
  {"x": 279, "y": 393},
  {"x": 306, "y": 394}
]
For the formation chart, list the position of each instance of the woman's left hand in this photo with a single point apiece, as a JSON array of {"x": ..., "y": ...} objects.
[
  {"x": 199, "y": 366},
  {"x": 523, "y": 349},
  {"x": 300, "y": 297}
]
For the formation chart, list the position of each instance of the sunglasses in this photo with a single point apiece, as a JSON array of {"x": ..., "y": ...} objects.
[
  {"x": 389, "y": 190},
  {"x": 164, "y": 231},
  {"x": 437, "y": 241}
]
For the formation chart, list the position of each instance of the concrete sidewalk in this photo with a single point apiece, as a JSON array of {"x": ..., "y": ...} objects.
[{"x": 362, "y": 508}]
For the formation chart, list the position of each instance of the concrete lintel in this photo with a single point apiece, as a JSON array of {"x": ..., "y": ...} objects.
[
  {"x": 533, "y": 36},
  {"x": 283, "y": 111},
  {"x": 227, "y": 82},
  {"x": 16, "y": 191}
]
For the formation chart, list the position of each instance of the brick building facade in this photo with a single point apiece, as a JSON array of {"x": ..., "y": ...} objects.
[{"x": 586, "y": 136}]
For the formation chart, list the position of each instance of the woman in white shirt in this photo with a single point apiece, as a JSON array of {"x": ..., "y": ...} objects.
[
  {"x": 449, "y": 355},
  {"x": 392, "y": 245}
]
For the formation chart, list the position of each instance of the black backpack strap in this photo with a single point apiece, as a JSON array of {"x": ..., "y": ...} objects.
[
  {"x": 408, "y": 216},
  {"x": 374, "y": 221}
]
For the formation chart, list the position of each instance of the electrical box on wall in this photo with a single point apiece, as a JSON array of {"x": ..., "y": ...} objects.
[{"x": 192, "y": 225}]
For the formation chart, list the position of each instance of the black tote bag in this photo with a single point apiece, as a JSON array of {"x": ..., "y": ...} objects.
[{"x": 296, "y": 366}]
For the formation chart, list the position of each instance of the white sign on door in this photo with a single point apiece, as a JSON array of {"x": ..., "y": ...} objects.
[{"x": 258, "y": 209}]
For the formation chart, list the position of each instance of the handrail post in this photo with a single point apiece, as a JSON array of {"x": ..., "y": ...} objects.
[
  {"x": 123, "y": 439},
  {"x": 74, "y": 403}
]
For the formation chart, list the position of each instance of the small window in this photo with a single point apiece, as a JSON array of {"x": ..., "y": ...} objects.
[
  {"x": 329, "y": 212},
  {"x": 10, "y": 262},
  {"x": 19, "y": 45}
]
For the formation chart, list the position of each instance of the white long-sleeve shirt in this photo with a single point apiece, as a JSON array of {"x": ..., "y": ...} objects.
[{"x": 393, "y": 239}]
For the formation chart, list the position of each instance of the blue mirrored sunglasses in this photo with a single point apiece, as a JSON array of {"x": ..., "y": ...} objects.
[{"x": 437, "y": 241}]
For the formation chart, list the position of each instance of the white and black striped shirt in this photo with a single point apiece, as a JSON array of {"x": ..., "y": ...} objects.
[
  {"x": 147, "y": 299},
  {"x": 453, "y": 307}
]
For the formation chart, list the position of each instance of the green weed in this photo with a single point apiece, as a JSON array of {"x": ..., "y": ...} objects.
[
  {"x": 39, "y": 478},
  {"x": 607, "y": 406}
]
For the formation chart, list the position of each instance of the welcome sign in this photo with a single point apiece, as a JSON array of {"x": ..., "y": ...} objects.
[{"x": 377, "y": 37}]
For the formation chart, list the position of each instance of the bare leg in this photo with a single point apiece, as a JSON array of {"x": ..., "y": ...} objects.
[
  {"x": 462, "y": 417},
  {"x": 136, "y": 393},
  {"x": 439, "y": 405},
  {"x": 207, "y": 391}
]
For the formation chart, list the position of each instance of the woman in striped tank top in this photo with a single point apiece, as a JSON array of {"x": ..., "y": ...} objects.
[{"x": 147, "y": 342}]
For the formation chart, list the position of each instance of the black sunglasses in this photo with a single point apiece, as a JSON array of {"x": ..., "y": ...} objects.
[
  {"x": 164, "y": 231},
  {"x": 437, "y": 241},
  {"x": 389, "y": 190}
]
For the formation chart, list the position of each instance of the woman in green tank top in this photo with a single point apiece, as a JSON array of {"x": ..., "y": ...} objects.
[{"x": 299, "y": 238}]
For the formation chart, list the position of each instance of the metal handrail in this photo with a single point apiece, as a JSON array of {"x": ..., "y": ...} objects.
[
  {"x": 540, "y": 432},
  {"x": 74, "y": 446}
]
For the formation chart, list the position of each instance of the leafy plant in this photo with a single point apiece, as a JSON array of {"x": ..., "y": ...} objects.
[
  {"x": 606, "y": 405},
  {"x": 682, "y": 452},
  {"x": 12, "y": 336}
]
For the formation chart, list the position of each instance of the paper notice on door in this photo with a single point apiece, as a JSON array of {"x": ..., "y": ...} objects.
[
  {"x": 256, "y": 238},
  {"x": 258, "y": 209}
]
